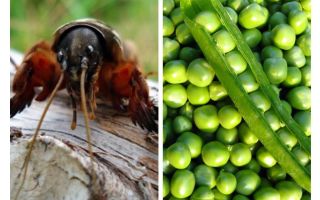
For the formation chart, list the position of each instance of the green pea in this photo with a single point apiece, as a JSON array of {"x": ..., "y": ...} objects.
[
  {"x": 189, "y": 54},
  {"x": 247, "y": 182},
  {"x": 166, "y": 186},
  {"x": 226, "y": 182},
  {"x": 187, "y": 110},
  {"x": 179, "y": 155},
  {"x": 240, "y": 154},
  {"x": 227, "y": 136},
  {"x": 181, "y": 124},
  {"x": 232, "y": 14},
  {"x": 182, "y": 183},
  {"x": 209, "y": 20},
  {"x": 283, "y": 36},
  {"x": 198, "y": 95},
  {"x": 264, "y": 158},
  {"x": 205, "y": 175},
  {"x": 290, "y": 6},
  {"x": 200, "y": 73},
  {"x": 176, "y": 16},
  {"x": 271, "y": 52},
  {"x": 206, "y": 118},
  {"x": 266, "y": 38},
  {"x": 170, "y": 49},
  {"x": 306, "y": 75},
  {"x": 168, "y": 27},
  {"x": 287, "y": 137},
  {"x": 168, "y": 6},
  {"x": 175, "y": 72},
  {"x": 193, "y": 141},
  {"x": 289, "y": 190},
  {"x": 215, "y": 154},
  {"x": 276, "y": 173},
  {"x": 303, "y": 118},
  {"x": 248, "y": 81},
  {"x": 260, "y": 100},
  {"x": 224, "y": 40},
  {"x": 272, "y": 119},
  {"x": 202, "y": 193},
  {"x": 266, "y": 193},
  {"x": 301, "y": 154},
  {"x": 253, "y": 16},
  {"x": 174, "y": 96},
  {"x": 229, "y": 117},
  {"x": 217, "y": 91},
  {"x": 236, "y": 61},
  {"x": 252, "y": 37},
  {"x": 306, "y": 5},
  {"x": 183, "y": 34},
  {"x": 304, "y": 42},
  {"x": 300, "y": 98},
  {"x": 295, "y": 57},
  {"x": 277, "y": 18},
  {"x": 275, "y": 69},
  {"x": 253, "y": 165},
  {"x": 237, "y": 5},
  {"x": 293, "y": 77},
  {"x": 298, "y": 21},
  {"x": 167, "y": 167},
  {"x": 246, "y": 135}
]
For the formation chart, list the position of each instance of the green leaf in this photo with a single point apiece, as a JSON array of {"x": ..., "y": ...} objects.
[{"x": 241, "y": 99}]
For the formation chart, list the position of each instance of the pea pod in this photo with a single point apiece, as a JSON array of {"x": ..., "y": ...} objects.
[{"x": 241, "y": 99}]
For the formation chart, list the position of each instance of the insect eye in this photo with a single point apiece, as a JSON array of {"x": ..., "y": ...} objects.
[
  {"x": 89, "y": 49},
  {"x": 60, "y": 56}
]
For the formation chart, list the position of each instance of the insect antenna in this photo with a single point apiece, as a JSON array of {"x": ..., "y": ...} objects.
[
  {"x": 30, "y": 145},
  {"x": 84, "y": 67}
]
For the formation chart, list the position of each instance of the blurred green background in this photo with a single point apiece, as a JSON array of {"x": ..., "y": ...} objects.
[{"x": 136, "y": 20}]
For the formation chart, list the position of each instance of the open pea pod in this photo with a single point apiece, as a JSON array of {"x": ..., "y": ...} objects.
[{"x": 251, "y": 114}]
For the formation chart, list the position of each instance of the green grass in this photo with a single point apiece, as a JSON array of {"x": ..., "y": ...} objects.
[{"x": 136, "y": 20}]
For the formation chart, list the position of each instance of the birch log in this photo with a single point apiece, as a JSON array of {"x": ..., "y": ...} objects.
[{"x": 125, "y": 159}]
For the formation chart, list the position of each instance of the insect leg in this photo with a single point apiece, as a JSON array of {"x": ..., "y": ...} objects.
[
  {"x": 74, "y": 113},
  {"x": 93, "y": 89}
]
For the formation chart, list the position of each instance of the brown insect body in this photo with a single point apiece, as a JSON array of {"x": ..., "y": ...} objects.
[{"x": 112, "y": 71}]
